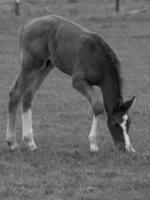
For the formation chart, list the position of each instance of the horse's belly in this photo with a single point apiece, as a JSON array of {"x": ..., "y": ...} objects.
[{"x": 63, "y": 64}]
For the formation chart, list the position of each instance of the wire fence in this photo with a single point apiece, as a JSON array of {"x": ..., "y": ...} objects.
[
  {"x": 20, "y": 7},
  {"x": 17, "y": 3}
]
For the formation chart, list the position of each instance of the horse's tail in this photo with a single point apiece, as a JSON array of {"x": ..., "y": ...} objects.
[
  {"x": 20, "y": 35},
  {"x": 20, "y": 41}
]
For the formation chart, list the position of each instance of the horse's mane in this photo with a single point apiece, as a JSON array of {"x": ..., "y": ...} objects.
[{"x": 113, "y": 60}]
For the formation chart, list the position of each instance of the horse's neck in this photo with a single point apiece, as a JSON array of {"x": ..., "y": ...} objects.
[{"x": 111, "y": 94}]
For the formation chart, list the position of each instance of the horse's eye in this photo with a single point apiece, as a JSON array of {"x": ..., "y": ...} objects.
[{"x": 117, "y": 124}]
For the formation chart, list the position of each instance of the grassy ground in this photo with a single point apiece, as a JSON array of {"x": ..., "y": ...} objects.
[{"x": 62, "y": 168}]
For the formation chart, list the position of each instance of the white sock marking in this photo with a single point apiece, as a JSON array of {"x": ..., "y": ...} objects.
[
  {"x": 93, "y": 135},
  {"x": 128, "y": 145},
  {"x": 27, "y": 129},
  {"x": 27, "y": 124}
]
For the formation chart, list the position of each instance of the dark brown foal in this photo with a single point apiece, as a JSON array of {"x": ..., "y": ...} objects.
[{"x": 52, "y": 41}]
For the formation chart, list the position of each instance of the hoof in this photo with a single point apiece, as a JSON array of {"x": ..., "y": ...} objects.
[
  {"x": 30, "y": 143},
  {"x": 130, "y": 149},
  {"x": 94, "y": 148},
  {"x": 32, "y": 146},
  {"x": 12, "y": 145}
]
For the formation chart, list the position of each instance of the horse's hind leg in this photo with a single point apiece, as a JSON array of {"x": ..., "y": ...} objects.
[
  {"x": 39, "y": 76},
  {"x": 27, "y": 83},
  {"x": 87, "y": 90},
  {"x": 14, "y": 99}
]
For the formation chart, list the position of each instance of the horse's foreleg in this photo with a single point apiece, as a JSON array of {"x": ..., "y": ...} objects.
[
  {"x": 87, "y": 90},
  {"x": 94, "y": 134}
]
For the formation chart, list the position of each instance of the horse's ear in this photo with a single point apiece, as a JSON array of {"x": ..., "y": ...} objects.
[{"x": 127, "y": 104}]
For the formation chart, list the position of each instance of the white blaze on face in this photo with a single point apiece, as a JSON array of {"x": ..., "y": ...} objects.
[{"x": 123, "y": 125}]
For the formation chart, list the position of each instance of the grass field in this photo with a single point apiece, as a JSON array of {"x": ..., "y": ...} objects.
[{"x": 62, "y": 168}]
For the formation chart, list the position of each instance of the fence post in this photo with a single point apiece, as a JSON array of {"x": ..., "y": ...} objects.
[
  {"x": 17, "y": 7},
  {"x": 117, "y": 5}
]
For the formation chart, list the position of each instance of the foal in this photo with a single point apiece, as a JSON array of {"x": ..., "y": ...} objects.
[{"x": 53, "y": 41}]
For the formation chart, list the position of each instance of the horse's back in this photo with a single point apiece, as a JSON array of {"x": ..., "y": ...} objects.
[
  {"x": 38, "y": 34},
  {"x": 43, "y": 27},
  {"x": 70, "y": 46}
]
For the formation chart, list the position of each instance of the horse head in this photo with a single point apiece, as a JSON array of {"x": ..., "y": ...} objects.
[{"x": 119, "y": 123}]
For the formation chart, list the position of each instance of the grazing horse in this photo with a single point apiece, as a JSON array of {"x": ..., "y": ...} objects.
[{"x": 52, "y": 41}]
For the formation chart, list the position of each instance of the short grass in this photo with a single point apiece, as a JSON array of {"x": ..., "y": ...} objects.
[{"x": 62, "y": 168}]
